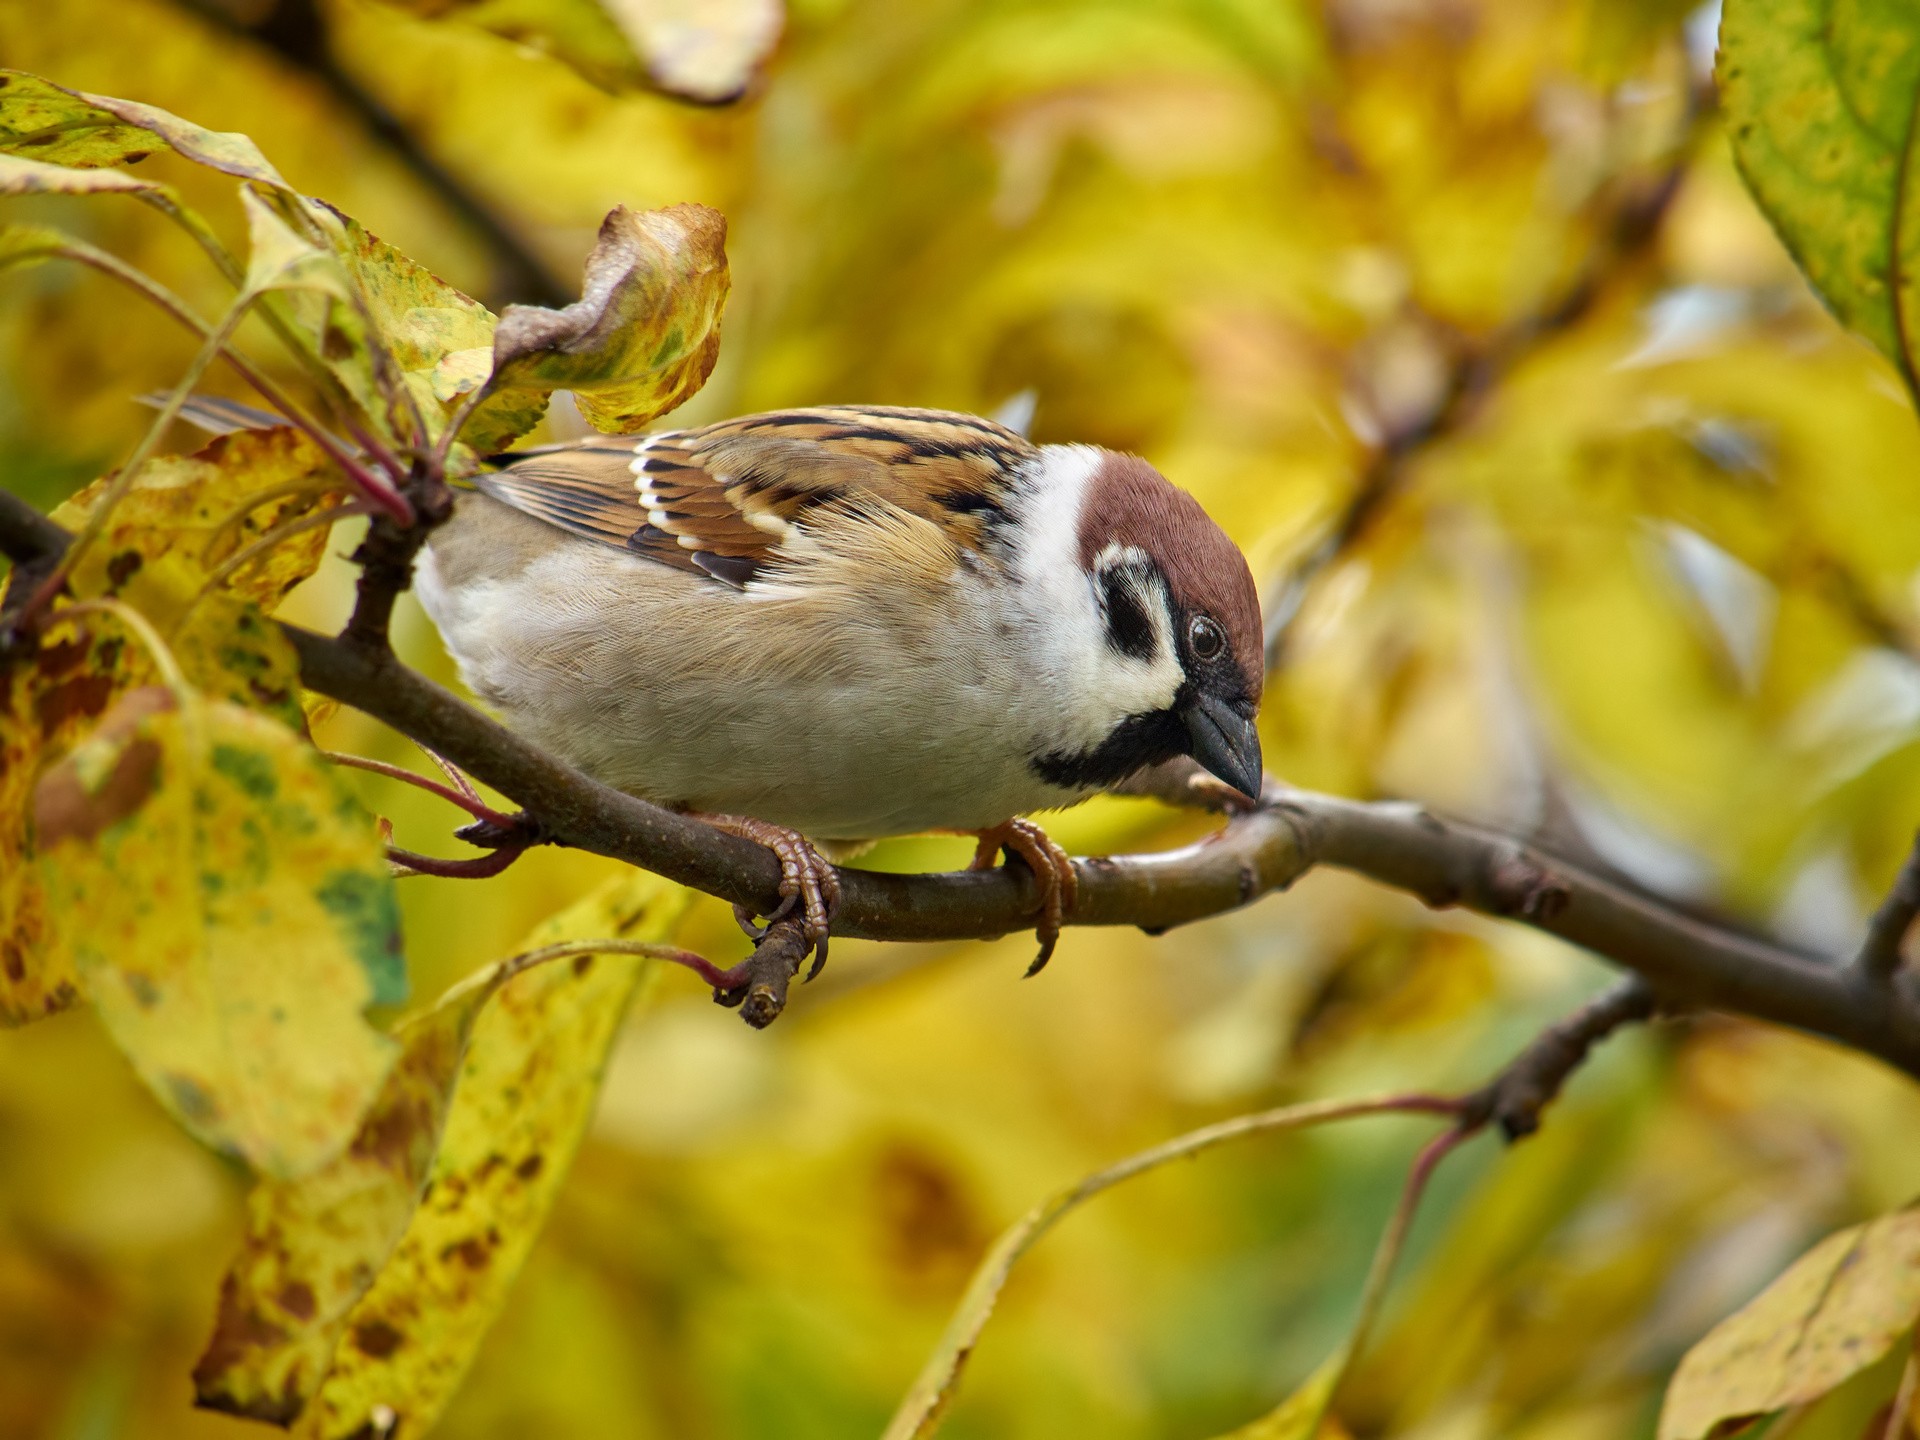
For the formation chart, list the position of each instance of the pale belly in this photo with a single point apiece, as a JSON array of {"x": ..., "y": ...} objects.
[{"x": 844, "y": 727}]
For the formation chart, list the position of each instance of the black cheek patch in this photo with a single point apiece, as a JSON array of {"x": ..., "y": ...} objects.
[{"x": 1129, "y": 627}]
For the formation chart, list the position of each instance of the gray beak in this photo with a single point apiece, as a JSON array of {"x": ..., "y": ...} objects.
[{"x": 1225, "y": 742}]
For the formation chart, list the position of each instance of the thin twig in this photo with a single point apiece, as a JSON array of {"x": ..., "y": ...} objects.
[
  {"x": 467, "y": 800},
  {"x": 1514, "y": 1098}
]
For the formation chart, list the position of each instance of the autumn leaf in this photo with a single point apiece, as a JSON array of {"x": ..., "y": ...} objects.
[
  {"x": 1836, "y": 1310},
  {"x": 411, "y": 1284},
  {"x": 229, "y": 913},
  {"x": 314, "y": 1245},
  {"x": 645, "y": 332},
  {"x": 205, "y": 510},
  {"x": 1821, "y": 103}
]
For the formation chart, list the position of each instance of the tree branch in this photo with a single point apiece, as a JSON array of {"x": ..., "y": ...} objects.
[
  {"x": 1880, "y": 954},
  {"x": 1515, "y": 1097},
  {"x": 1688, "y": 962}
]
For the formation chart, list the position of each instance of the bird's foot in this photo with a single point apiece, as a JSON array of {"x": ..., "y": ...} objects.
[
  {"x": 1052, "y": 870},
  {"x": 807, "y": 879}
]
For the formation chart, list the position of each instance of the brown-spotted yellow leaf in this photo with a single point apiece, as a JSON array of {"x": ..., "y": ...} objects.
[
  {"x": 46, "y": 121},
  {"x": 314, "y": 1245},
  {"x": 526, "y": 1092},
  {"x": 1821, "y": 98},
  {"x": 48, "y": 699},
  {"x": 645, "y": 332},
  {"x": 1835, "y": 1311},
  {"x": 197, "y": 507},
  {"x": 229, "y": 912}
]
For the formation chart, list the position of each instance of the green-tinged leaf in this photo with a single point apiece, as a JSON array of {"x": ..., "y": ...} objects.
[
  {"x": 703, "y": 50},
  {"x": 422, "y": 323},
  {"x": 645, "y": 332},
  {"x": 30, "y": 244},
  {"x": 526, "y": 1091},
  {"x": 49, "y": 122},
  {"x": 1835, "y": 1311},
  {"x": 1821, "y": 98},
  {"x": 278, "y": 259},
  {"x": 229, "y": 913}
]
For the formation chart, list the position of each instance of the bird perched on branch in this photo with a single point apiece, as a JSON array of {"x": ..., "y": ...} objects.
[{"x": 835, "y": 624}]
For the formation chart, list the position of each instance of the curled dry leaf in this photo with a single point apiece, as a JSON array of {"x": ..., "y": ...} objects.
[
  {"x": 702, "y": 50},
  {"x": 1836, "y": 1310},
  {"x": 645, "y": 332},
  {"x": 353, "y": 1286},
  {"x": 45, "y": 121},
  {"x": 230, "y": 917},
  {"x": 1820, "y": 103}
]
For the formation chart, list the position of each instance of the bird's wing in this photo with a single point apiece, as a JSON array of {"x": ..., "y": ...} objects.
[{"x": 727, "y": 499}]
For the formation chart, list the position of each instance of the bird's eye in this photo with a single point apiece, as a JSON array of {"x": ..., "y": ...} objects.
[{"x": 1205, "y": 638}]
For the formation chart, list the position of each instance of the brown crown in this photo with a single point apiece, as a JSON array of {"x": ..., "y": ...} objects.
[{"x": 1130, "y": 503}]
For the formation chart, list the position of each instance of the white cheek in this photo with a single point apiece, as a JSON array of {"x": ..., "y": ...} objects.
[{"x": 1094, "y": 686}]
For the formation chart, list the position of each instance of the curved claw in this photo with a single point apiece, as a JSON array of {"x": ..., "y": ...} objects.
[
  {"x": 807, "y": 880},
  {"x": 1052, "y": 869}
]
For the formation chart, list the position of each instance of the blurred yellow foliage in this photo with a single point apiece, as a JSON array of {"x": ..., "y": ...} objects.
[{"x": 1648, "y": 590}]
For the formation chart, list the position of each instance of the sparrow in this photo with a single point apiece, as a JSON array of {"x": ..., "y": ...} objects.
[{"x": 818, "y": 627}]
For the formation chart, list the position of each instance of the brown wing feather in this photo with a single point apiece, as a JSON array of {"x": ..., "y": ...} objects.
[{"x": 723, "y": 499}]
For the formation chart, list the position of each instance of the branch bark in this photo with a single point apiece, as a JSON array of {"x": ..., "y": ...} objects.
[{"x": 1689, "y": 963}]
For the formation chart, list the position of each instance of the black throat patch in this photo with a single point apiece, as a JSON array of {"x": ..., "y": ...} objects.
[{"x": 1135, "y": 743}]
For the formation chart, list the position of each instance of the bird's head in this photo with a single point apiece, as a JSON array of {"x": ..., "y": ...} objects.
[{"x": 1179, "y": 660}]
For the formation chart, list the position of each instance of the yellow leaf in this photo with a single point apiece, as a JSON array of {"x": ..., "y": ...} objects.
[
  {"x": 47, "y": 700},
  {"x": 314, "y": 1245},
  {"x": 196, "y": 506},
  {"x": 1836, "y": 1310},
  {"x": 645, "y": 332},
  {"x": 230, "y": 916},
  {"x": 437, "y": 1273}
]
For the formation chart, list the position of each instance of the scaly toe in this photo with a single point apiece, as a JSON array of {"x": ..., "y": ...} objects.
[
  {"x": 807, "y": 879},
  {"x": 1053, "y": 872}
]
